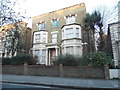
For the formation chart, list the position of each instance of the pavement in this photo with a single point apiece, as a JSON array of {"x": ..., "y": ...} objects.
[{"x": 62, "y": 82}]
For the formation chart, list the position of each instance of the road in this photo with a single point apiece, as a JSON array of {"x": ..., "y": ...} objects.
[{"x": 10, "y": 86}]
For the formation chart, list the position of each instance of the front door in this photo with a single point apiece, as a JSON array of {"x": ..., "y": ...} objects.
[{"x": 52, "y": 55}]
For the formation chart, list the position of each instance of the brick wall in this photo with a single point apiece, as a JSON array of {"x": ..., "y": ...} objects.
[
  {"x": 14, "y": 69},
  {"x": 65, "y": 71}
]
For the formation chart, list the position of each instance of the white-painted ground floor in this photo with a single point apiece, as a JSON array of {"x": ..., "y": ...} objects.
[{"x": 47, "y": 54}]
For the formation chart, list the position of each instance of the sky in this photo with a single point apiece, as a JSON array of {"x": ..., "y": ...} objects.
[{"x": 38, "y": 7}]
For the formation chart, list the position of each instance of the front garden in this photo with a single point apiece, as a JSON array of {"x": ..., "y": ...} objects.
[
  {"x": 92, "y": 59},
  {"x": 87, "y": 66},
  {"x": 20, "y": 59}
]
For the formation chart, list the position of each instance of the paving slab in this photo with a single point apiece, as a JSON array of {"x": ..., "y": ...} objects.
[{"x": 61, "y": 81}]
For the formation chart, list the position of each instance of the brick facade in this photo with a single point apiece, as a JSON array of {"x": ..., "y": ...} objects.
[{"x": 58, "y": 32}]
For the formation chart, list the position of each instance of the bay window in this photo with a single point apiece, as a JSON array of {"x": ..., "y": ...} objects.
[
  {"x": 71, "y": 31},
  {"x": 40, "y": 37}
]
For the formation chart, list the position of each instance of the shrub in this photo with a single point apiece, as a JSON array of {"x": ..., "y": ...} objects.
[
  {"x": 67, "y": 60},
  {"x": 22, "y": 58},
  {"x": 5, "y": 61},
  {"x": 83, "y": 60},
  {"x": 92, "y": 59},
  {"x": 97, "y": 59}
]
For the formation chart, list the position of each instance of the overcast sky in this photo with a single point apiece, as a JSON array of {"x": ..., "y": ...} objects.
[{"x": 37, "y": 7}]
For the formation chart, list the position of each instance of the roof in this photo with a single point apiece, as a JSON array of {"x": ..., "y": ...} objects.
[
  {"x": 77, "y": 5},
  {"x": 5, "y": 27}
]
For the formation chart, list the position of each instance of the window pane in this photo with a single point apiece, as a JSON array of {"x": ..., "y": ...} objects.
[
  {"x": 77, "y": 33},
  {"x": 70, "y": 19},
  {"x": 69, "y": 33},
  {"x": 37, "y": 53},
  {"x": 55, "y": 23},
  {"x": 43, "y": 54},
  {"x": 37, "y": 38},
  {"x": 41, "y": 26},
  {"x": 118, "y": 31},
  {"x": 54, "y": 37},
  {"x": 44, "y": 40}
]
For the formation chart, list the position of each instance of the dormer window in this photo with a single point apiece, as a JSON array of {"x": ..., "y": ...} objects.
[
  {"x": 71, "y": 19},
  {"x": 41, "y": 26}
]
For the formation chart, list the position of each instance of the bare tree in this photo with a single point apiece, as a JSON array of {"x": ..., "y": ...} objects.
[
  {"x": 11, "y": 11},
  {"x": 107, "y": 16},
  {"x": 97, "y": 22}
]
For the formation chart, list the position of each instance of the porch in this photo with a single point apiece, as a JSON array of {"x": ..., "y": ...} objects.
[{"x": 52, "y": 52}]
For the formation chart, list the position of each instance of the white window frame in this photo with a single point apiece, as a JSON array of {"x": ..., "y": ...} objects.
[
  {"x": 41, "y": 26},
  {"x": 75, "y": 33},
  {"x": 43, "y": 56},
  {"x": 70, "y": 19},
  {"x": 41, "y": 38},
  {"x": 37, "y": 38},
  {"x": 69, "y": 33},
  {"x": 55, "y": 34},
  {"x": 44, "y": 37}
]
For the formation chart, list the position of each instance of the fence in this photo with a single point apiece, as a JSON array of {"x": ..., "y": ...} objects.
[{"x": 56, "y": 70}]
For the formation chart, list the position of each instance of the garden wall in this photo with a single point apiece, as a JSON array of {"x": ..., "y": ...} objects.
[{"x": 58, "y": 71}]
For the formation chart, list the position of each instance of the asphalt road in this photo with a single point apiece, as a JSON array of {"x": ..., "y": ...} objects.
[{"x": 10, "y": 86}]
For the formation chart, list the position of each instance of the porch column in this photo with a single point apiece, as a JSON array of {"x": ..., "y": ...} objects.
[{"x": 56, "y": 50}]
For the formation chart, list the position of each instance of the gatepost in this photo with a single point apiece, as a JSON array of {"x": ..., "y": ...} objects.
[
  {"x": 106, "y": 71},
  {"x": 61, "y": 72},
  {"x": 25, "y": 68}
]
